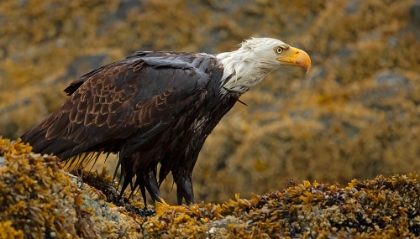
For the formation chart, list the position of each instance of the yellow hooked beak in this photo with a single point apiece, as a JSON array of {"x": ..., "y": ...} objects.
[{"x": 296, "y": 57}]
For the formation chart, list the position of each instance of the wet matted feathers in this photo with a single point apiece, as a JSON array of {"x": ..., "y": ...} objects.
[{"x": 156, "y": 108}]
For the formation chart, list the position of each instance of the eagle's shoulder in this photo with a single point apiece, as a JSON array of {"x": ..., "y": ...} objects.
[{"x": 201, "y": 64}]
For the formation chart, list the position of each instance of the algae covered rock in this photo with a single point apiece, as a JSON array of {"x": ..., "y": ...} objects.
[{"x": 38, "y": 199}]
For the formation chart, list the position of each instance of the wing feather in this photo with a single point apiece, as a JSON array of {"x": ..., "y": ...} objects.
[{"x": 127, "y": 102}]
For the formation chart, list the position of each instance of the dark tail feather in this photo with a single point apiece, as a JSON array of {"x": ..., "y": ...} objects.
[
  {"x": 36, "y": 139},
  {"x": 59, "y": 147}
]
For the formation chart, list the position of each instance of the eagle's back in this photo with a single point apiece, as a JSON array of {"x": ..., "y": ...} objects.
[{"x": 126, "y": 102}]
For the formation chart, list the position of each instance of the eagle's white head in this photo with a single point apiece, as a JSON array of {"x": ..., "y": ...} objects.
[{"x": 247, "y": 66}]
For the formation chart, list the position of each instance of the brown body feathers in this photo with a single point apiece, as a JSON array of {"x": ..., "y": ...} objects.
[
  {"x": 157, "y": 108},
  {"x": 153, "y": 107}
]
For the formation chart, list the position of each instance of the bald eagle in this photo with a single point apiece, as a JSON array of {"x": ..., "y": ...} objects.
[{"x": 157, "y": 108}]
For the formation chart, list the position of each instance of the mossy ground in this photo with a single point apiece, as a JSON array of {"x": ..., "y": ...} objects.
[
  {"x": 35, "y": 194},
  {"x": 38, "y": 199}
]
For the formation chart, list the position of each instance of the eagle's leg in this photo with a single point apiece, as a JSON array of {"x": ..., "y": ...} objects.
[
  {"x": 152, "y": 185},
  {"x": 184, "y": 188},
  {"x": 127, "y": 175},
  {"x": 140, "y": 183}
]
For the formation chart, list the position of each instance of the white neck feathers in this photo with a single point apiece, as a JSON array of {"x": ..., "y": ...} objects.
[{"x": 244, "y": 68}]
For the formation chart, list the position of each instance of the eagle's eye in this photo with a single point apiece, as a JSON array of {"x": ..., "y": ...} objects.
[{"x": 279, "y": 50}]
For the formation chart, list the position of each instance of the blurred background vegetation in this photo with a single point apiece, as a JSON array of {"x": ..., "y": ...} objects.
[{"x": 355, "y": 115}]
